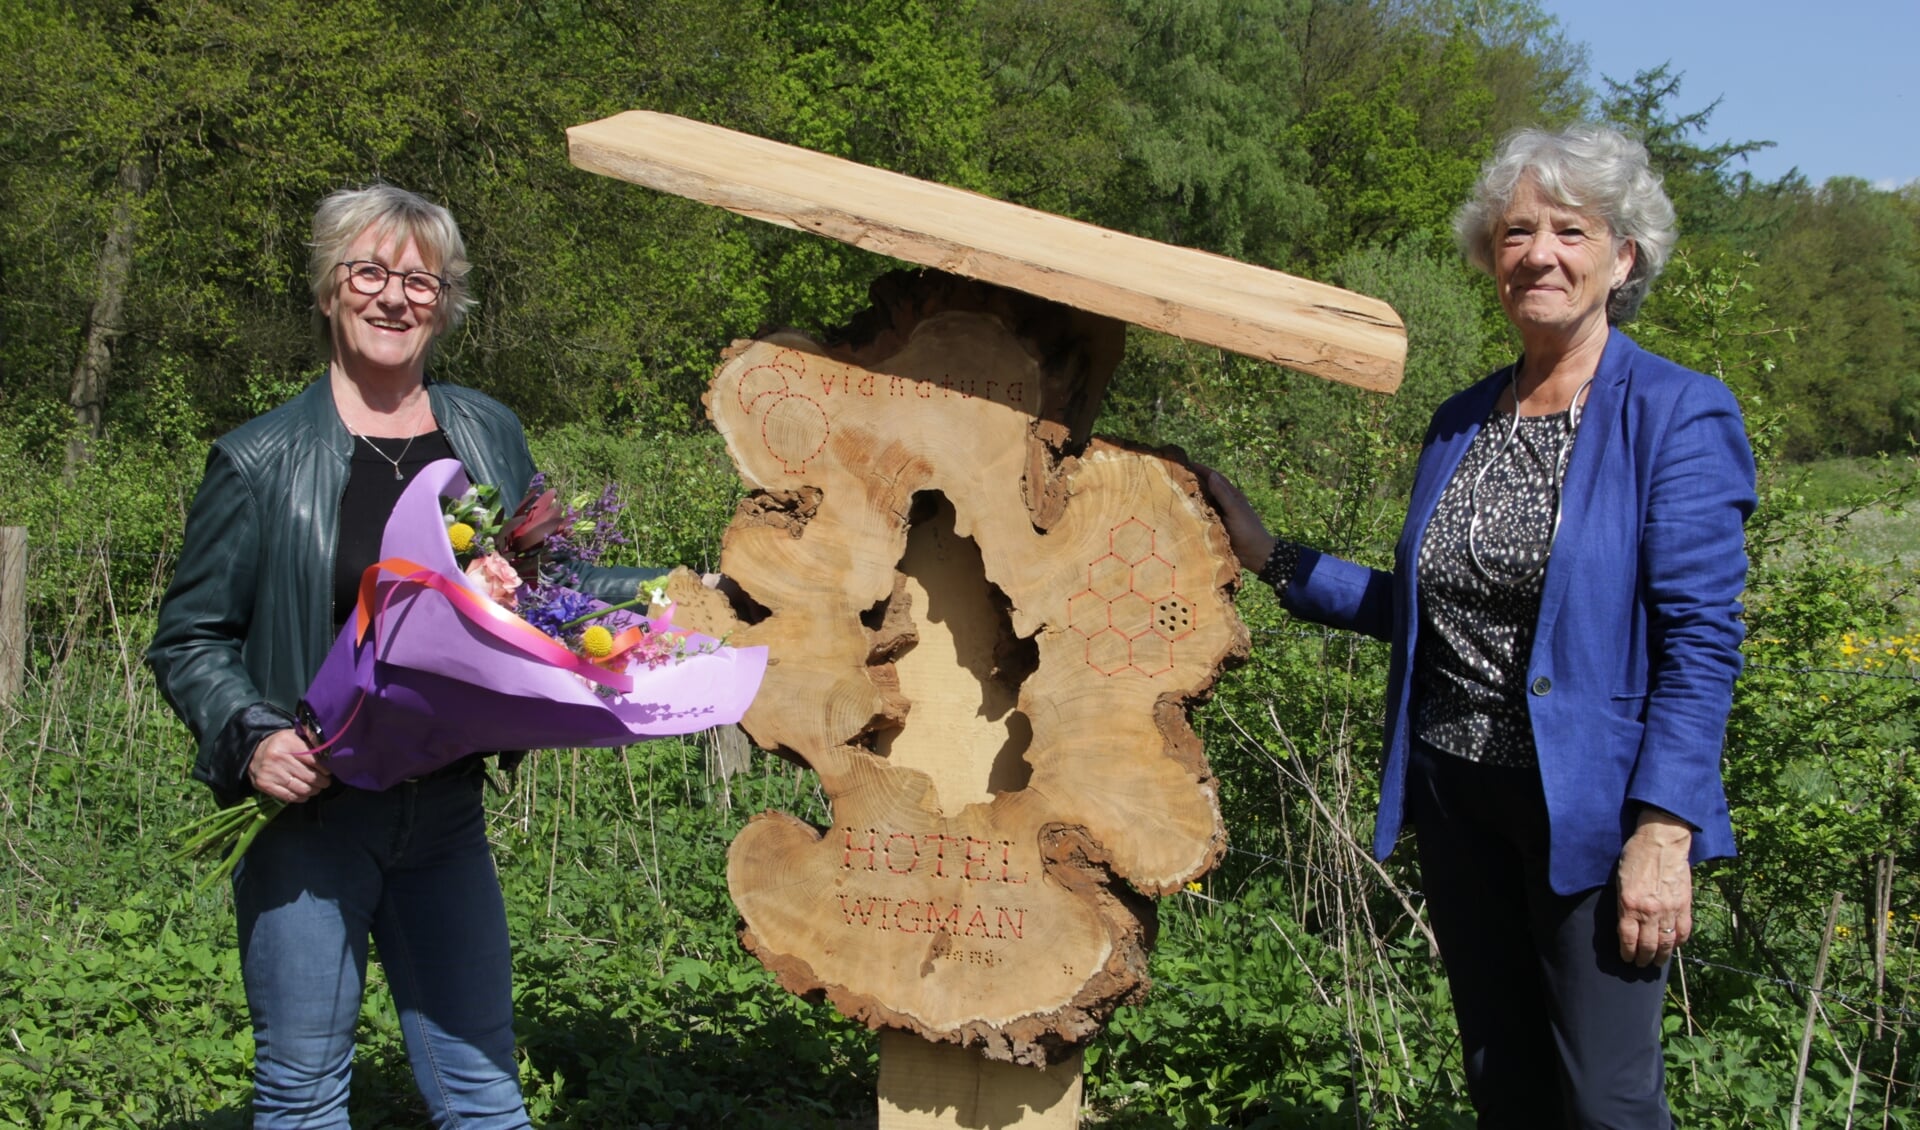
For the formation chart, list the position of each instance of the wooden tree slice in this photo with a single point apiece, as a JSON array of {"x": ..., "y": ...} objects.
[
  {"x": 985, "y": 638},
  {"x": 1290, "y": 321}
]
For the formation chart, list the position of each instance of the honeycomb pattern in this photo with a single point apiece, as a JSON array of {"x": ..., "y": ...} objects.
[{"x": 1130, "y": 614}]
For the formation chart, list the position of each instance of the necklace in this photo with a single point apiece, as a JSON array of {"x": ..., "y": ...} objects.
[
  {"x": 1557, "y": 479},
  {"x": 398, "y": 476}
]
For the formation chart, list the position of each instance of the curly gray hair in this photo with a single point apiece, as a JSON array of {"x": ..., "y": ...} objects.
[
  {"x": 1591, "y": 169},
  {"x": 393, "y": 213}
]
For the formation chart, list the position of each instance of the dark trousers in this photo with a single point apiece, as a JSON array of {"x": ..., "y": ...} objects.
[{"x": 1555, "y": 1029}]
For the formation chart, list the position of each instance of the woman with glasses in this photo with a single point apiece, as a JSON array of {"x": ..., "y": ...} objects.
[
  {"x": 289, "y": 515},
  {"x": 1565, "y": 626}
]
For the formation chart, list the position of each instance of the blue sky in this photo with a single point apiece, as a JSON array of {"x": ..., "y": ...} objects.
[{"x": 1831, "y": 81}]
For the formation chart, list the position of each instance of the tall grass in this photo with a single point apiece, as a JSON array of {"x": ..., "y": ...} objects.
[{"x": 1296, "y": 988}]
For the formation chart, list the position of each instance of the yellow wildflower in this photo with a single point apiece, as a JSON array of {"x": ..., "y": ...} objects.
[
  {"x": 461, "y": 535},
  {"x": 597, "y": 642}
]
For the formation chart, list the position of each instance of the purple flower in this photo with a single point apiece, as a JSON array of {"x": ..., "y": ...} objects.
[{"x": 549, "y": 607}]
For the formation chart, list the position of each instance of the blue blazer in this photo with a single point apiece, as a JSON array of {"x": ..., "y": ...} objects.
[{"x": 1638, "y": 643}]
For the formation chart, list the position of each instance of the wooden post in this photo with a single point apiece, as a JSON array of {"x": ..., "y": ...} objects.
[
  {"x": 13, "y": 611},
  {"x": 926, "y": 1086}
]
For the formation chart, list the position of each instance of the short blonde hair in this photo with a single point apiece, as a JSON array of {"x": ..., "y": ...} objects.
[
  {"x": 1591, "y": 169},
  {"x": 393, "y": 213}
]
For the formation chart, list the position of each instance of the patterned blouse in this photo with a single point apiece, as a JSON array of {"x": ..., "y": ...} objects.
[{"x": 1482, "y": 563}]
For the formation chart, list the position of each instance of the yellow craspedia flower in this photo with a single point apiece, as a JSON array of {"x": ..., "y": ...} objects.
[
  {"x": 597, "y": 642},
  {"x": 461, "y": 535}
]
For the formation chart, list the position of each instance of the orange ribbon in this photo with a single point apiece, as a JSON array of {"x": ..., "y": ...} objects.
[{"x": 489, "y": 617}]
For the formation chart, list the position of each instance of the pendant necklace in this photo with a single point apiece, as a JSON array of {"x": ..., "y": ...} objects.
[
  {"x": 1557, "y": 475},
  {"x": 395, "y": 463}
]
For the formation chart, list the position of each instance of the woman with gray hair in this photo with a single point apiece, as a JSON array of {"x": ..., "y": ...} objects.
[
  {"x": 289, "y": 515},
  {"x": 1565, "y": 626}
]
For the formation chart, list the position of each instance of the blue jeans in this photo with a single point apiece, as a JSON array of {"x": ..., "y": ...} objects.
[{"x": 410, "y": 868}]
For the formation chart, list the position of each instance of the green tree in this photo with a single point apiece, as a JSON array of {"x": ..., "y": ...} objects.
[
  {"x": 1057, "y": 128},
  {"x": 1843, "y": 270},
  {"x": 1207, "y": 160},
  {"x": 1700, "y": 179}
]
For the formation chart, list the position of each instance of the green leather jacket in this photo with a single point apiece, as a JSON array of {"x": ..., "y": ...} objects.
[{"x": 248, "y": 618}]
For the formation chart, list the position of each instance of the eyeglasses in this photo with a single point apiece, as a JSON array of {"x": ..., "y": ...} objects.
[{"x": 367, "y": 277}]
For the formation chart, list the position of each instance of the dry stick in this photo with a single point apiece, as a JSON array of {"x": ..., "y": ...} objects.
[
  {"x": 1341, "y": 839},
  {"x": 651, "y": 875},
  {"x": 1346, "y": 838},
  {"x": 1355, "y": 1064},
  {"x": 653, "y": 840},
  {"x": 1686, "y": 1010},
  {"x": 1893, "y": 1065},
  {"x": 1883, "y": 867},
  {"x": 1813, "y": 1010},
  {"x": 1853, "y": 1079},
  {"x": 1381, "y": 994},
  {"x": 1299, "y": 957},
  {"x": 553, "y": 849},
  {"x": 98, "y": 572},
  {"x": 1840, "y": 1049}
]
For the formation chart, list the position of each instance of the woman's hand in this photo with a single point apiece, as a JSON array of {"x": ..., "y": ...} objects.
[
  {"x": 1656, "y": 888},
  {"x": 1252, "y": 544},
  {"x": 284, "y": 768}
]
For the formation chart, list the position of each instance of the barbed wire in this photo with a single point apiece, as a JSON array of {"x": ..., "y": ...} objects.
[
  {"x": 1847, "y": 671},
  {"x": 1911, "y": 1016},
  {"x": 68, "y": 644},
  {"x": 52, "y": 642},
  {"x": 1829, "y": 994},
  {"x": 45, "y": 551},
  {"x": 1911, "y": 676}
]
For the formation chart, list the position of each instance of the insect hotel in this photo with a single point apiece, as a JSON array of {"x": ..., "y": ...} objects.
[{"x": 986, "y": 625}]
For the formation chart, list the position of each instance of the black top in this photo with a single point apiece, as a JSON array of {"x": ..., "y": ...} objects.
[
  {"x": 1482, "y": 565},
  {"x": 373, "y": 486}
]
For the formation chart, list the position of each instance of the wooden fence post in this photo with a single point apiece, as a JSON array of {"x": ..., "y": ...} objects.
[{"x": 13, "y": 610}]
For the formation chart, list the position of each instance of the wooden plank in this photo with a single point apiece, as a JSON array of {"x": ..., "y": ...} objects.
[
  {"x": 13, "y": 611},
  {"x": 1298, "y": 323},
  {"x": 927, "y": 1086}
]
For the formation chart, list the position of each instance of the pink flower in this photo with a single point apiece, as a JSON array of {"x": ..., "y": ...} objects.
[{"x": 496, "y": 577}]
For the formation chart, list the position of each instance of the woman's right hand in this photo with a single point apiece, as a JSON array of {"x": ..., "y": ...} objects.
[
  {"x": 284, "y": 768},
  {"x": 1252, "y": 544}
]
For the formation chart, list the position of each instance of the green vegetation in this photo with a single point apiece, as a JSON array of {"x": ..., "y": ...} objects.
[
  {"x": 159, "y": 161},
  {"x": 1295, "y": 989}
]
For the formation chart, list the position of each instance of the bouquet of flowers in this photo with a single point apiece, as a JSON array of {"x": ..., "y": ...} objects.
[{"x": 435, "y": 664}]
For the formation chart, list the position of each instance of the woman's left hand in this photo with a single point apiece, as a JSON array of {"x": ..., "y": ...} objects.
[
  {"x": 1656, "y": 888},
  {"x": 1248, "y": 535}
]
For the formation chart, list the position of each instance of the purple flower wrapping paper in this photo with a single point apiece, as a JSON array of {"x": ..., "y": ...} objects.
[{"x": 442, "y": 672}]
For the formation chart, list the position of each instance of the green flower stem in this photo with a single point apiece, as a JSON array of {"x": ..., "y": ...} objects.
[
  {"x": 227, "y": 832},
  {"x": 641, "y": 601}
]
